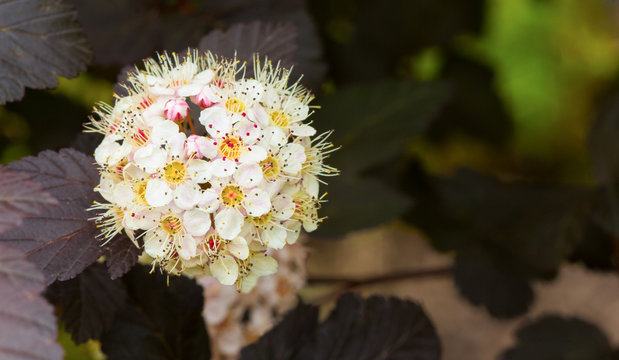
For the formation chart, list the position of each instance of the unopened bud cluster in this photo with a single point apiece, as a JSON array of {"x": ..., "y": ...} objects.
[{"x": 209, "y": 194}]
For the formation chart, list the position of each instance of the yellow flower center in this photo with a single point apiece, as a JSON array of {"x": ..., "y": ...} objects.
[
  {"x": 174, "y": 172},
  {"x": 232, "y": 195},
  {"x": 235, "y": 105},
  {"x": 141, "y": 192},
  {"x": 261, "y": 220},
  {"x": 270, "y": 168},
  {"x": 230, "y": 148},
  {"x": 171, "y": 224},
  {"x": 279, "y": 119}
]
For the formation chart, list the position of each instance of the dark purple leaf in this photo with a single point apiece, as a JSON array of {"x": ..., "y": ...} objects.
[
  {"x": 27, "y": 324},
  {"x": 359, "y": 329},
  {"x": 20, "y": 197},
  {"x": 121, "y": 255},
  {"x": 162, "y": 321},
  {"x": 40, "y": 40},
  {"x": 88, "y": 302},
  {"x": 277, "y": 41},
  {"x": 61, "y": 239}
]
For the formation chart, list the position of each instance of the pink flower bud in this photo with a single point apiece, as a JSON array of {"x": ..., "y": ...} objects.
[
  {"x": 176, "y": 109},
  {"x": 205, "y": 97},
  {"x": 196, "y": 146}
]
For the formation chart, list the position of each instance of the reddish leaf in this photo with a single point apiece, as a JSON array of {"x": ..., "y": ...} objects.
[
  {"x": 27, "y": 325},
  {"x": 20, "y": 197},
  {"x": 39, "y": 41},
  {"x": 61, "y": 239},
  {"x": 120, "y": 256}
]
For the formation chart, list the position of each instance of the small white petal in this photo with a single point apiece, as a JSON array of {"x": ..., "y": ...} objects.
[
  {"x": 302, "y": 130},
  {"x": 197, "y": 222},
  {"x": 274, "y": 237},
  {"x": 162, "y": 131},
  {"x": 254, "y": 154},
  {"x": 292, "y": 157},
  {"x": 263, "y": 265},
  {"x": 150, "y": 158},
  {"x": 155, "y": 245},
  {"x": 209, "y": 201},
  {"x": 238, "y": 248},
  {"x": 189, "y": 90},
  {"x": 225, "y": 270},
  {"x": 123, "y": 194},
  {"x": 275, "y": 136},
  {"x": 186, "y": 246},
  {"x": 204, "y": 77},
  {"x": 311, "y": 185},
  {"x": 215, "y": 120},
  {"x": 158, "y": 193},
  {"x": 186, "y": 195},
  {"x": 283, "y": 207},
  {"x": 228, "y": 223},
  {"x": 258, "y": 115},
  {"x": 199, "y": 171},
  {"x": 248, "y": 175},
  {"x": 223, "y": 168},
  {"x": 257, "y": 202}
]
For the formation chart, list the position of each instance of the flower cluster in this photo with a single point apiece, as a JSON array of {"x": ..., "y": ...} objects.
[
  {"x": 210, "y": 196},
  {"x": 235, "y": 320}
]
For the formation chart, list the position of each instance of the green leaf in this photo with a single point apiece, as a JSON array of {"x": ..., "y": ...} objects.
[
  {"x": 553, "y": 337},
  {"x": 40, "y": 40},
  {"x": 161, "y": 321},
  {"x": 373, "y": 122},
  {"x": 357, "y": 329}
]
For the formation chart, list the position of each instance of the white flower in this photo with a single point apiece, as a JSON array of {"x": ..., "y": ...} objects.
[{"x": 210, "y": 198}]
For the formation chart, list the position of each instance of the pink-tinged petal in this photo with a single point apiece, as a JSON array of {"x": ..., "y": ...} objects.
[
  {"x": 225, "y": 269},
  {"x": 209, "y": 201},
  {"x": 274, "y": 237},
  {"x": 311, "y": 185},
  {"x": 223, "y": 168},
  {"x": 302, "y": 130},
  {"x": 155, "y": 245},
  {"x": 248, "y": 175},
  {"x": 258, "y": 115},
  {"x": 176, "y": 145},
  {"x": 161, "y": 90},
  {"x": 254, "y": 154},
  {"x": 123, "y": 194},
  {"x": 294, "y": 230},
  {"x": 189, "y": 90},
  {"x": 199, "y": 171},
  {"x": 238, "y": 248},
  {"x": 283, "y": 207},
  {"x": 158, "y": 193},
  {"x": 176, "y": 110},
  {"x": 272, "y": 187},
  {"x": 228, "y": 223},
  {"x": 187, "y": 195},
  {"x": 186, "y": 246},
  {"x": 292, "y": 157},
  {"x": 257, "y": 202},
  {"x": 204, "y": 77},
  {"x": 248, "y": 131},
  {"x": 215, "y": 120},
  {"x": 199, "y": 147},
  {"x": 150, "y": 158},
  {"x": 206, "y": 98},
  {"x": 140, "y": 218},
  {"x": 197, "y": 222},
  {"x": 275, "y": 136},
  {"x": 154, "y": 111},
  {"x": 162, "y": 131}
]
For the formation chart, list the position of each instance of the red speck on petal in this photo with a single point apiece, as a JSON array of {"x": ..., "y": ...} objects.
[
  {"x": 256, "y": 126},
  {"x": 244, "y": 114},
  {"x": 211, "y": 126},
  {"x": 247, "y": 134}
]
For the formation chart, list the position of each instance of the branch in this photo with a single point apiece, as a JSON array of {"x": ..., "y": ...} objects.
[{"x": 349, "y": 283}]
